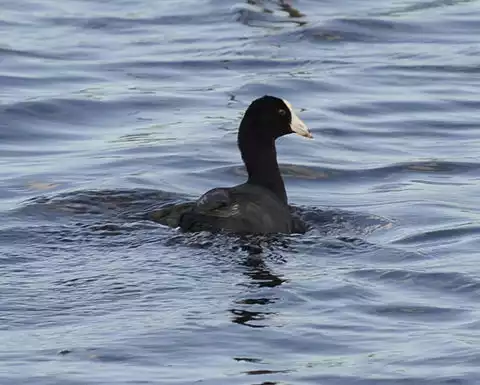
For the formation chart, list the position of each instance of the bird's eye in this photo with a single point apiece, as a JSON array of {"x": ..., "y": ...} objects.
[{"x": 282, "y": 112}]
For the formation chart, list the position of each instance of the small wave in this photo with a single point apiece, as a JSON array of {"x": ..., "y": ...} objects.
[
  {"x": 111, "y": 213},
  {"x": 46, "y": 118},
  {"x": 440, "y": 282},
  {"x": 8, "y": 51},
  {"x": 439, "y": 69},
  {"x": 367, "y": 175},
  {"x": 423, "y": 313},
  {"x": 129, "y": 23},
  {"x": 440, "y": 235},
  {"x": 367, "y": 30},
  {"x": 376, "y": 29},
  {"x": 422, "y": 6},
  {"x": 114, "y": 203}
]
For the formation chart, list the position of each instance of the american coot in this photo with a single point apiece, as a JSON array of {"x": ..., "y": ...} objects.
[{"x": 260, "y": 204}]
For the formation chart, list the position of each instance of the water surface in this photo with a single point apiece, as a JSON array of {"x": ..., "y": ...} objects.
[{"x": 110, "y": 110}]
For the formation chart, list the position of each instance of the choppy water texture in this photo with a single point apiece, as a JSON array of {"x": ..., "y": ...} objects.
[{"x": 112, "y": 109}]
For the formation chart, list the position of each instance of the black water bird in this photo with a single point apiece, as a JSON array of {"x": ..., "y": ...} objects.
[{"x": 260, "y": 204}]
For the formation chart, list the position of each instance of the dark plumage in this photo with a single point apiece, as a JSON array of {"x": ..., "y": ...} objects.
[{"x": 260, "y": 204}]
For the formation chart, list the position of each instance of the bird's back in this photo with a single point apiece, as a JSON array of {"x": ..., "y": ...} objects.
[{"x": 245, "y": 208}]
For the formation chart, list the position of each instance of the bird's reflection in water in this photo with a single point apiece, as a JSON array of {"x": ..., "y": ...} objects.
[
  {"x": 247, "y": 312},
  {"x": 283, "y": 5}
]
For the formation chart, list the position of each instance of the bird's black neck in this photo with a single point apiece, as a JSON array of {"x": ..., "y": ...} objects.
[{"x": 260, "y": 158}]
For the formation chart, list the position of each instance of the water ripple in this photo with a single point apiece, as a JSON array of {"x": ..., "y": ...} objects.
[{"x": 113, "y": 111}]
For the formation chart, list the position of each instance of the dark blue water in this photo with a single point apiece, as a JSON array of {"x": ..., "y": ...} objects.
[{"x": 110, "y": 110}]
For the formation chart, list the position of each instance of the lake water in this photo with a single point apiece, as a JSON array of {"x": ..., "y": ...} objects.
[{"x": 112, "y": 109}]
